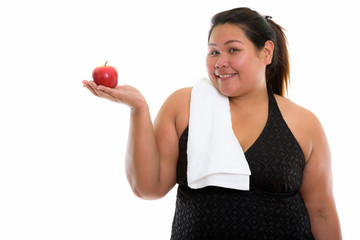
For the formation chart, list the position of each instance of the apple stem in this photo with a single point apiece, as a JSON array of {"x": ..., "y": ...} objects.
[{"x": 105, "y": 63}]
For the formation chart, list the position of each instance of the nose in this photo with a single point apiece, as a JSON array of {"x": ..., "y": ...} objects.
[{"x": 222, "y": 61}]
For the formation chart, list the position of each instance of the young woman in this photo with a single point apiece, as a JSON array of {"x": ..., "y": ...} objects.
[{"x": 290, "y": 191}]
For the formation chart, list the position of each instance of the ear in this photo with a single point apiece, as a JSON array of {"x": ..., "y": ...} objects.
[{"x": 268, "y": 51}]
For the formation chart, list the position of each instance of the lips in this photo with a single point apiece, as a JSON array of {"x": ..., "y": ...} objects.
[{"x": 224, "y": 76}]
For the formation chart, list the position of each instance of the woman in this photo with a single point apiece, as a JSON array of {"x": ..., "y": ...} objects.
[{"x": 290, "y": 194}]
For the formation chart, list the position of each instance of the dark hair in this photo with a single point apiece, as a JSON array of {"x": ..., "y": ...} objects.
[{"x": 258, "y": 30}]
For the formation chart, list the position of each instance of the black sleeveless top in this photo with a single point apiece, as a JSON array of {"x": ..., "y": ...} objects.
[{"x": 273, "y": 208}]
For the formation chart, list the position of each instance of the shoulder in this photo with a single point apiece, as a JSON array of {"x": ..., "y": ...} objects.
[
  {"x": 296, "y": 111},
  {"x": 176, "y": 108},
  {"x": 304, "y": 124},
  {"x": 178, "y": 100},
  {"x": 180, "y": 95}
]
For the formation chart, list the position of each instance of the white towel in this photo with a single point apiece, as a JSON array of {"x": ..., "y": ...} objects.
[{"x": 215, "y": 157}]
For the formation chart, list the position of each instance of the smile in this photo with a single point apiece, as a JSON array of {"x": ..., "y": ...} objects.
[{"x": 225, "y": 75}]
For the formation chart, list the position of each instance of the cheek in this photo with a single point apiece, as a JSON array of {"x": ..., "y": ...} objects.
[
  {"x": 240, "y": 62},
  {"x": 210, "y": 64}
]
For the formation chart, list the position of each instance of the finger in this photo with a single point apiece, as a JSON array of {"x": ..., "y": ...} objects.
[
  {"x": 93, "y": 88},
  {"x": 110, "y": 94},
  {"x": 109, "y": 97},
  {"x": 107, "y": 90},
  {"x": 115, "y": 93},
  {"x": 86, "y": 85},
  {"x": 96, "y": 90}
]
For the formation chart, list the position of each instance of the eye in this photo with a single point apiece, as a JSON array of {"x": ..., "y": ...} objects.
[
  {"x": 213, "y": 53},
  {"x": 233, "y": 50}
]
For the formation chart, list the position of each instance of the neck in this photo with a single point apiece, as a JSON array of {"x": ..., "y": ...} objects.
[{"x": 250, "y": 101}]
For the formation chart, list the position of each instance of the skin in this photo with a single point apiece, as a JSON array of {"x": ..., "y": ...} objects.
[{"x": 237, "y": 69}]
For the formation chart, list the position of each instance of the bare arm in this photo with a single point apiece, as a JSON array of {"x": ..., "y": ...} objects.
[
  {"x": 142, "y": 160},
  {"x": 152, "y": 150},
  {"x": 317, "y": 189}
]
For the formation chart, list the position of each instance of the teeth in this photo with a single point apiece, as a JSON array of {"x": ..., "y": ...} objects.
[{"x": 226, "y": 75}]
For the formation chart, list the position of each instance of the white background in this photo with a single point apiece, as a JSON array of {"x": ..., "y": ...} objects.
[{"x": 62, "y": 149}]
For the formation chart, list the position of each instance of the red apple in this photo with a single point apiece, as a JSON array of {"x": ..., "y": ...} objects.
[{"x": 106, "y": 76}]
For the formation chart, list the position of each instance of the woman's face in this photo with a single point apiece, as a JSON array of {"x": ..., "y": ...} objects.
[{"x": 234, "y": 65}]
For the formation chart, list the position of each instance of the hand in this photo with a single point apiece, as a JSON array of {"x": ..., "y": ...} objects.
[{"x": 121, "y": 94}]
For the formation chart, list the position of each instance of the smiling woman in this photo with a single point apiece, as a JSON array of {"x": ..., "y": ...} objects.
[
  {"x": 247, "y": 62},
  {"x": 235, "y": 65},
  {"x": 261, "y": 34},
  {"x": 289, "y": 192},
  {"x": 62, "y": 150}
]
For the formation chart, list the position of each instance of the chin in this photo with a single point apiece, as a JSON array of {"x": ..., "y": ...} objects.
[
  {"x": 226, "y": 92},
  {"x": 226, "y": 89}
]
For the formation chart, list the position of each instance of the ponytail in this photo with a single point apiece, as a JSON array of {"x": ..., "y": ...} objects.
[
  {"x": 278, "y": 72},
  {"x": 258, "y": 30}
]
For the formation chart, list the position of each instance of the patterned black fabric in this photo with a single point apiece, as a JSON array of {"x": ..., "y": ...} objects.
[{"x": 272, "y": 209}]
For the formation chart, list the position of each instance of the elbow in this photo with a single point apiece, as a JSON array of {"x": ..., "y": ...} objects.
[
  {"x": 145, "y": 188},
  {"x": 146, "y": 191},
  {"x": 326, "y": 224},
  {"x": 146, "y": 194}
]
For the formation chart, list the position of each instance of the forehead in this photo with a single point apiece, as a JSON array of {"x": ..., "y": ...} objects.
[{"x": 224, "y": 32}]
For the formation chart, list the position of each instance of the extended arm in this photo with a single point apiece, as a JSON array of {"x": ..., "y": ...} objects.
[{"x": 152, "y": 151}]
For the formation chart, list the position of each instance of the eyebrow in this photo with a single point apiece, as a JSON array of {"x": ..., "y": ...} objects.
[{"x": 227, "y": 42}]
